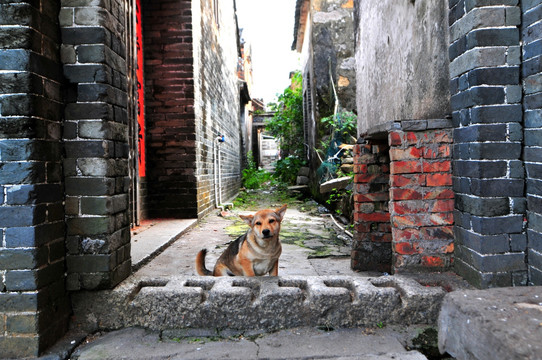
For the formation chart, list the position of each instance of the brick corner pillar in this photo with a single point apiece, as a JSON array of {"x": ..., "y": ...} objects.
[
  {"x": 96, "y": 141},
  {"x": 488, "y": 181},
  {"x": 421, "y": 197},
  {"x": 34, "y": 303},
  {"x": 403, "y": 201},
  {"x": 371, "y": 248},
  {"x": 532, "y": 153}
]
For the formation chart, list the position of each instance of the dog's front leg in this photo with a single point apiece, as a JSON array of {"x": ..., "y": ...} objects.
[
  {"x": 275, "y": 269},
  {"x": 248, "y": 270}
]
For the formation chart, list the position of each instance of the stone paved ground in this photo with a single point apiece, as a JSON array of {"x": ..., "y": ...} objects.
[
  {"x": 298, "y": 343},
  {"x": 312, "y": 246},
  {"x": 312, "y": 243}
]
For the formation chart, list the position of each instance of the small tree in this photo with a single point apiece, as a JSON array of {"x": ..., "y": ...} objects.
[
  {"x": 287, "y": 122},
  {"x": 287, "y": 126}
]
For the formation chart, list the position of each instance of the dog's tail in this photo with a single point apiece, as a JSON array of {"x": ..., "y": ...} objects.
[{"x": 200, "y": 264}]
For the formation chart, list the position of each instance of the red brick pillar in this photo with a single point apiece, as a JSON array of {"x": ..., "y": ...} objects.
[
  {"x": 421, "y": 200},
  {"x": 371, "y": 249},
  {"x": 403, "y": 200}
]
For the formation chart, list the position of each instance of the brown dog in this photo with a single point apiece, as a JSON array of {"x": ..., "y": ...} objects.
[{"x": 255, "y": 253}]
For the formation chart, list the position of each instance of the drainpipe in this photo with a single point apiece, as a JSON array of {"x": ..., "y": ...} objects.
[
  {"x": 218, "y": 186},
  {"x": 218, "y": 171}
]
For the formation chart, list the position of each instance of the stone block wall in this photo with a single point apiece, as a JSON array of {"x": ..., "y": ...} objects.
[
  {"x": 485, "y": 59},
  {"x": 323, "y": 34},
  {"x": 96, "y": 144},
  {"x": 34, "y": 306},
  {"x": 333, "y": 50},
  {"x": 531, "y": 35},
  {"x": 169, "y": 109}
]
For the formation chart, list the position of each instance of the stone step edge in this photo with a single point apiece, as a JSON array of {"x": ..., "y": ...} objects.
[{"x": 265, "y": 303}]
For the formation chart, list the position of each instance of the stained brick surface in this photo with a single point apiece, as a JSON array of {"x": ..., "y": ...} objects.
[
  {"x": 371, "y": 249},
  {"x": 190, "y": 100},
  {"x": 421, "y": 204}
]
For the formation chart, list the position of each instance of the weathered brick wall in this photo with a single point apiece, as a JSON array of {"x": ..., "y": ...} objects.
[
  {"x": 217, "y": 100},
  {"x": 34, "y": 307},
  {"x": 532, "y": 154},
  {"x": 403, "y": 199},
  {"x": 371, "y": 248},
  {"x": 169, "y": 108},
  {"x": 403, "y": 103},
  {"x": 488, "y": 172},
  {"x": 192, "y": 96},
  {"x": 421, "y": 198},
  {"x": 96, "y": 144}
]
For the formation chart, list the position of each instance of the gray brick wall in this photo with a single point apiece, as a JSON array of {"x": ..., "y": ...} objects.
[
  {"x": 169, "y": 110},
  {"x": 531, "y": 35},
  {"x": 192, "y": 96},
  {"x": 34, "y": 306},
  {"x": 485, "y": 61},
  {"x": 96, "y": 145},
  {"x": 217, "y": 97}
]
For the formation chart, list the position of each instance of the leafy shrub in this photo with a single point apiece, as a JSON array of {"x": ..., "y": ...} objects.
[
  {"x": 286, "y": 169},
  {"x": 252, "y": 177},
  {"x": 287, "y": 122},
  {"x": 343, "y": 123}
]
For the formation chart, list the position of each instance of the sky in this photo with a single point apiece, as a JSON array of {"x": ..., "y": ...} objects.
[{"x": 268, "y": 25}]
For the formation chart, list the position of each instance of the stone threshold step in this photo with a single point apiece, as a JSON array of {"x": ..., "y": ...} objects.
[{"x": 267, "y": 303}]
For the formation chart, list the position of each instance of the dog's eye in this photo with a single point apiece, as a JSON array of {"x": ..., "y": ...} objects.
[
  {"x": 258, "y": 223},
  {"x": 271, "y": 221}
]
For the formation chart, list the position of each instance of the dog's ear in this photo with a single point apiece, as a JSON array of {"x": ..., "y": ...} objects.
[
  {"x": 280, "y": 211},
  {"x": 247, "y": 219}
]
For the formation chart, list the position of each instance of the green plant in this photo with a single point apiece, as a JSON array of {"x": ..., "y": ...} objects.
[
  {"x": 344, "y": 123},
  {"x": 286, "y": 169},
  {"x": 334, "y": 197},
  {"x": 287, "y": 122},
  {"x": 252, "y": 177}
]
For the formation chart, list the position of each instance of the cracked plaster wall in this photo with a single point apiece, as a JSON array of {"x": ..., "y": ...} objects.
[{"x": 402, "y": 61}]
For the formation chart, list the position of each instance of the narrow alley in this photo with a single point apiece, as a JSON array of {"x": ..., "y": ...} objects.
[
  {"x": 314, "y": 247},
  {"x": 132, "y": 133},
  {"x": 313, "y": 244}
]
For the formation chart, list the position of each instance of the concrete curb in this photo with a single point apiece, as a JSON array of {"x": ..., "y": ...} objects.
[
  {"x": 148, "y": 244},
  {"x": 501, "y": 323},
  {"x": 266, "y": 303}
]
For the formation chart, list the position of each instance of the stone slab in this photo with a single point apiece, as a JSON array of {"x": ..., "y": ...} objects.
[
  {"x": 299, "y": 343},
  {"x": 259, "y": 303},
  {"x": 145, "y": 245},
  {"x": 502, "y": 323},
  {"x": 335, "y": 184}
]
